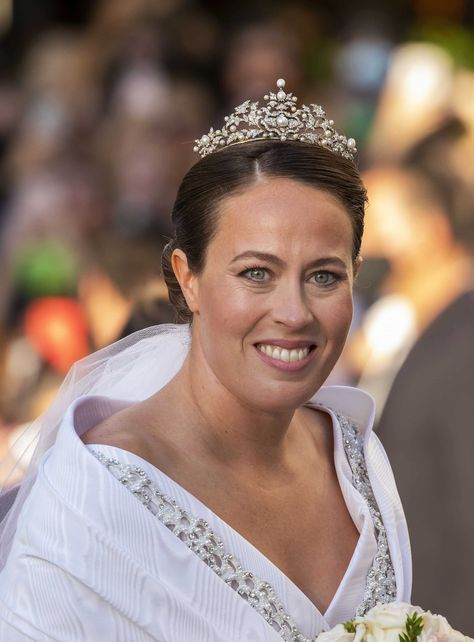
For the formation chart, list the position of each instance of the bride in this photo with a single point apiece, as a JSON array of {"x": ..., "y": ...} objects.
[{"x": 197, "y": 482}]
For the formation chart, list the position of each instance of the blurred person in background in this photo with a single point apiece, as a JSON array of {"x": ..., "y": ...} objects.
[
  {"x": 414, "y": 101},
  {"x": 255, "y": 55},
  {"x": 90, "y": 170},
  {"x": 428, "y": 266},
  {"x": 426, "y": 423},
  {"x": 415, "y": 349}
]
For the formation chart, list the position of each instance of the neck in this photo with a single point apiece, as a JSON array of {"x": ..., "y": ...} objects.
[{"x": 211, "y": 422}]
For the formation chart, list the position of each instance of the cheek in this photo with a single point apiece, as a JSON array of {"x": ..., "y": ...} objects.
[
  {"x": 226, "y": 319},
  {"x": 335, "y": 315},
  {"x": 228, "y": 307}
]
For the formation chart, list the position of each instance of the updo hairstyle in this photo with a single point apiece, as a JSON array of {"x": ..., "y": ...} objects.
[{"x": 219, "y": 175}]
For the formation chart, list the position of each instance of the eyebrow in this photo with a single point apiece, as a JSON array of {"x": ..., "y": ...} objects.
[{"x": 271, "y": 258}]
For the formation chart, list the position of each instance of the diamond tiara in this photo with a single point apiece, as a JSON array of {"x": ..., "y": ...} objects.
[{"x": 278, "y": 119}]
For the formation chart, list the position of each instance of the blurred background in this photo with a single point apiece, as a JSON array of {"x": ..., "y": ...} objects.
[{"x": 99, "y": 105}]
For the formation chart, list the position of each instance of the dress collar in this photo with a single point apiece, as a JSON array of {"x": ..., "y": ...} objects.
[
  {"x": 357, "y": 405},
  {"x": 353, "y": 403}
]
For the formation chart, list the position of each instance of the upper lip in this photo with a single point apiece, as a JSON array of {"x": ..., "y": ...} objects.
[{"x": 289, "y": 344}]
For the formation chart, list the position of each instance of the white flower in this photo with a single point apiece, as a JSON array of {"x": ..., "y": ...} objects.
[
  {"x": 360, "y": 634},
  {"x": 337, "y": 634},
  {"x": 437, "y": 629},
  {"x": 385, "y": 622}
]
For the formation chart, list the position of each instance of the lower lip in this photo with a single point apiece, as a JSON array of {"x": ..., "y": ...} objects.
[{"x": 291, "y": 366}]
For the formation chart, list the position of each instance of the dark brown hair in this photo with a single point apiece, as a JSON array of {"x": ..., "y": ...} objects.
[{"x": 219, "y": 175}]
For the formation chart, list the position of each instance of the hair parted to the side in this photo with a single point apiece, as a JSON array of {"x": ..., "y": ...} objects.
[{"x": 219, "y": 175}]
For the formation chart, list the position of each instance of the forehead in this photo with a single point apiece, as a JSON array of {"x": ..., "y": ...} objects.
[{"x": 281, "y": 212}]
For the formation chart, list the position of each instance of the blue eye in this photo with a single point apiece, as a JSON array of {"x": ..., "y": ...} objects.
[
  {"x": 256, "y": 274},
  {"x": 325, "y": 278}
]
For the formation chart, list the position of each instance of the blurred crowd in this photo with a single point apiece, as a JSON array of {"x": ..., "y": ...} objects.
[{"x": 97, "y": 128}]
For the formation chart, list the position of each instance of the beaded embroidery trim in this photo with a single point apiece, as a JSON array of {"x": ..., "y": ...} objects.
[
  {"x": 381, "y": 585},
  {"x": 201, "y": 539}
]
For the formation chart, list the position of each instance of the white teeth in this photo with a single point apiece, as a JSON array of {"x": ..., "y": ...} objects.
[
  {"x": 282, "y": 354},
  {"x": 294, "y": 355}
]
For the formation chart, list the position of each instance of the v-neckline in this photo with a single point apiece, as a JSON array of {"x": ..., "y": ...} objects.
[{"x": 220, "y": 525}]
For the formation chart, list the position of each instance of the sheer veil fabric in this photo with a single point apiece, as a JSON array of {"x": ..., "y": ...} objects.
[{"x": 133, "y": 368}]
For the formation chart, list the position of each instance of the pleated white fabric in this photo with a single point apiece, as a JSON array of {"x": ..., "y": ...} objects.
[{"x": 90, "y": 562}]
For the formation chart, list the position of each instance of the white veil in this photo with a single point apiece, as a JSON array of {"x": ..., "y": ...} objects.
[{"x": 133, "y": 368}]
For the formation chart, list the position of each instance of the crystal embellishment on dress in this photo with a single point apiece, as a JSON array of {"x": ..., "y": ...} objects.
[
  {"x": 201, "y": 539},
  {"x": 278, "y": 119},
  {"x": 198, "y": 536},
  {"x": 381, "y": 585}
]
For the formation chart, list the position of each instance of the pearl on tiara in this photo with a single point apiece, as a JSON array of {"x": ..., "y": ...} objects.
[{"x": 278, "y": 119}]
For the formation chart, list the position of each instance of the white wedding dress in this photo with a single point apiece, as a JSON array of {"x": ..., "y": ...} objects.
[{"x": 107, "y": 547}]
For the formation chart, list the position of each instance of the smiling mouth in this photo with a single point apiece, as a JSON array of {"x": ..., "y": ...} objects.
[{"x": 283, "y": 354}]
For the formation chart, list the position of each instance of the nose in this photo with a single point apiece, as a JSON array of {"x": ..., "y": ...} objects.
[{"x": 290, "y": 306}]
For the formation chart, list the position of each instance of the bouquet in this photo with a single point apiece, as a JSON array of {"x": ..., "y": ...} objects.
[{"x": 395, "y": 622}]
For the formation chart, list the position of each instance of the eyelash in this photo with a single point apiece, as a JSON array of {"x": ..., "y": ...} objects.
[
  {"x": 335, "y": 276},
  {"x": 250, "y": 269}
]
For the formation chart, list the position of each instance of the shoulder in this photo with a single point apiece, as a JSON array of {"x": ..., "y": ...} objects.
[{"x": 122, "y": 429}]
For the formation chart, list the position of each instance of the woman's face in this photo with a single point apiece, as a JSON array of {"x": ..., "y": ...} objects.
[{"x": 273, "y": 304}]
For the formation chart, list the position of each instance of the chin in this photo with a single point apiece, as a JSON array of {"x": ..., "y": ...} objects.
[{"x": 283, "y": 398}]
